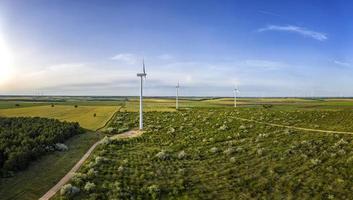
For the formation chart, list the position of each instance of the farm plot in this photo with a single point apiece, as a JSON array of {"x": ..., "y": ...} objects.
[
  {"x": 209, "y": 154},
  {"x": 90, "y": 117}
]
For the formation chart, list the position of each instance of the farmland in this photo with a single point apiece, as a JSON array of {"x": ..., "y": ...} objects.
[
  {"x": 205, "y": 150},
  {"x": 209, "y": 153},
  {"x": 84, "y": 115}
]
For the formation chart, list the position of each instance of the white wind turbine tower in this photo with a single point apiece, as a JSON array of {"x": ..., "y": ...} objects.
[
  {"x": 142, "y": 75},
  {"x": 177, "y": 96},
  {"x": 235, "y": 97}
]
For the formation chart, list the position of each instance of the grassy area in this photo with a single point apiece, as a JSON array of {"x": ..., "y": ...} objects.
[
  {"x": 82, "y": 114},
  {"x": 18, "y": 104},
  {"x": 209, "y": 154},
  {"x": 46, "y": 172}
]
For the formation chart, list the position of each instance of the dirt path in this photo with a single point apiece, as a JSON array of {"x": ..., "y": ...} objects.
[
  {"x": 294, "y": 127},
  {"x": 70, "y": 174}
]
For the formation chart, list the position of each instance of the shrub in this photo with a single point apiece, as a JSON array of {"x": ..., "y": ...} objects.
[
  {"x": 120, "y": 169},
  {"x": 260, "y": 151},
  {"x": 91, "y": 172},
  {"x": 68, "y": 190},
  {"x": 89, "y": 187},
  {"x": 162, "y": 155},
  {"x": 181, "y": 154},
  {"x": 106, "y": 140},
  {"x": 315, "y": 161},
  {"x": 214, "y": 150},
  {"x": 229, "y": 151},
  {"x": 110, "y": 130},
  {"x": 242, "y": 127},
  {"x": 223, "y": 127},
  {"x": 61, "y": 147},
  {"x": 154, "y": 191},
  {"x": 267, "y": 106},
  {"x": 78, "y": 178}
]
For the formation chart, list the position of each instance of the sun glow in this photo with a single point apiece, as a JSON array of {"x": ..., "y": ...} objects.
[{"x": 6, "y": 61}]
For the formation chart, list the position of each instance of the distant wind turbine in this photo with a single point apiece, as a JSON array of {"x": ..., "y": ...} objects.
[
  {"x": 177, "y": 96},
  {"x": 142, "y": 75},
  {"x": 235, "y": 97}
]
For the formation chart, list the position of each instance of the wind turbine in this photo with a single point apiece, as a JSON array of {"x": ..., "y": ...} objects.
[
  {"x": 177, "y": 96},
  {"x": 235, "y": 97},
  {"x": 142, "y": 75}
]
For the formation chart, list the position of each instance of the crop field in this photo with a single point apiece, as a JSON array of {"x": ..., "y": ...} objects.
[
  {"x": 212, "y": 154},
  {"x": 167, "y": 104},
  {"x": 84, "y": 115}
]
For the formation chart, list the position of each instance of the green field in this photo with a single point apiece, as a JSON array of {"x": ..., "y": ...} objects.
[{"x": 82, "y": 114}]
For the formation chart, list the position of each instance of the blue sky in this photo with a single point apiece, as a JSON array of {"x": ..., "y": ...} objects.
[{"x": 266, "y": 48}]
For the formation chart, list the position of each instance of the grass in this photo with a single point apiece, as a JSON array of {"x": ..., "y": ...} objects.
[
  {"x": 81, "y": 114},
  {"x": 46, "y": 172}
]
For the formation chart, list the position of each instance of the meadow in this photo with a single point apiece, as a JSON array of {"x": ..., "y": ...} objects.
[{"x": 89, "y": 117}]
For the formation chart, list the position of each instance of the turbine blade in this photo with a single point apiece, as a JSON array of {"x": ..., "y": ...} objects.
[{"x": 144, "y": 68}]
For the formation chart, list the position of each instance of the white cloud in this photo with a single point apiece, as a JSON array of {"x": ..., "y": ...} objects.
[
  {"x": 344, "y": 64},
  {"x": 126, "y": 57},
  {"x": 296, "y": 29},
  {"x": 68, "y": 74}
]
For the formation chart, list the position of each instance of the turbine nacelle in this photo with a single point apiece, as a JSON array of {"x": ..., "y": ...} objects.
[{"x": 141, "y": 74}]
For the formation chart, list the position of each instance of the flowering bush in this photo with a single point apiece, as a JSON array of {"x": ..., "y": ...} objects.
[
  {"x": 258, "y": 161},
  {"x": 69, "y": 191}
]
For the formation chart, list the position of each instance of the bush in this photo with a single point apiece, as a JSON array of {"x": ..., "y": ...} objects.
[
  {"x": 214, "y": 150},
  {"x": 154, "y": 191},
  {"x": 162, "y": 155},
  {"x": 89, "y": 187},
  {"x": 181, "y": 154},
  {"x": 61, "y": 147},
  {"x": 229, "y": 151},
  {"x": 68, "y": 190},
  {"x": 106, "y": 140},
  {"x": 110, "y": 130},
  {"x": 267, "y": 106}
]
